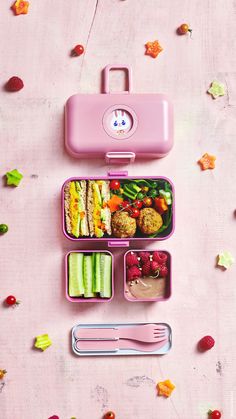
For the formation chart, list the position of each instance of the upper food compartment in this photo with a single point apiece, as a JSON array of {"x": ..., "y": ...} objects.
[{"x": 118, "y": 208}]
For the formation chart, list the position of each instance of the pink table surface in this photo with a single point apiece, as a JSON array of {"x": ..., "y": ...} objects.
[{"x": 36, "y": 47}]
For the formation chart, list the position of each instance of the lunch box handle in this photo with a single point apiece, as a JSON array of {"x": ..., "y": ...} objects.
[
  {"x": 121, "y": 157},
  {"x": 128, "y": 72}
]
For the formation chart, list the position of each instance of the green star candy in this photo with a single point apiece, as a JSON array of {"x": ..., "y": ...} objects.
[
  {"x": 42, "y": 342},
  {"x": 225, "y": 259},
  {"x": 14, "y": 177},
  {"x": 217, "y": 89}
]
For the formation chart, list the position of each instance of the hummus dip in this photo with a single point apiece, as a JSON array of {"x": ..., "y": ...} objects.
[{"x": 147, "y": 288}]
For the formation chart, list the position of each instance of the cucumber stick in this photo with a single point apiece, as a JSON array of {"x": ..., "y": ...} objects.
[
  {"x": 76, "y": 284},
  {"x": 97, "y": 273},
  {"x": 105, "y": 270},
  {"x": 88, "y": 276}
]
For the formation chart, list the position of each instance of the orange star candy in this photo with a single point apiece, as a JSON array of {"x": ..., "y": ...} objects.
[
  {"x": 153, "y": 49},
  {"x": 207, "y": 161},
  {"x": 20, "y": 7},
  {"x": 165, "y": 388}
]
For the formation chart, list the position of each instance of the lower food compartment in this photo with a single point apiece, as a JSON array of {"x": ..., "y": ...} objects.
[
  {"x": 147, "y": 275},
  {"x": 115, "y": 339},
  {"x": 89, "y": 276}
]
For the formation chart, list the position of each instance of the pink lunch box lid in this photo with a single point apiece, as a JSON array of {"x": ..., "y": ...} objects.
[{"x": 118, "y": 126}]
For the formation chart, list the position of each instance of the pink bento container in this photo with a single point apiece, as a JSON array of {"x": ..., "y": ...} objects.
[
  {"x": 119, "y": 126},
  {"x": 168, "y": 279},
  {"x": 93, "y": 299}
]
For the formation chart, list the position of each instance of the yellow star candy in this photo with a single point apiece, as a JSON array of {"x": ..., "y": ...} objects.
[
  {"x": 217, "y": 89},
  {"x": 225, "y": 259},
  {"x": 42, "y": 342},
  {"x": 165, "y": 388}
]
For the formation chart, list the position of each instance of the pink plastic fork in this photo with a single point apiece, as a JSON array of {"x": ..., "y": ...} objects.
[{"x": 150, "y": 333}]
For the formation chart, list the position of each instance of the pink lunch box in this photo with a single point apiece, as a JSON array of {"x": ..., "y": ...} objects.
[{"x": 118, "y": 126}]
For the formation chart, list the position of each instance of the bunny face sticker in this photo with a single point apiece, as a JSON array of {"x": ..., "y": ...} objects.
[{"x": 121, "y": 122}]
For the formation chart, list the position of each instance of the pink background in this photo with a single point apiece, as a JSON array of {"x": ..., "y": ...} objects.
[{"x": 36, "y": 47}]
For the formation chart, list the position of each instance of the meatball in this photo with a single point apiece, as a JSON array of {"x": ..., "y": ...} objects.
[
  {"x": 149, "y": 221},
  {"x": 123, "y": 225}
]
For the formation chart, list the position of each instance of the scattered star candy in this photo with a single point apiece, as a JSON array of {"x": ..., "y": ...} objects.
[
  {"x": 42, "y": 342},
  {"x": 225, "y": 259},
  {"x": 217, "y": 89},
  {"x": 20, "y": 7},
  {"x": 153, "y": 49},
  {"x": 14, "y": 177},
  {"x": 165, "y": 388},
  {"x": 207, "y": 161}
]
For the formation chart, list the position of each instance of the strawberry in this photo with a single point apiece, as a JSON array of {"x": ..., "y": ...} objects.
[
  {"x": 146, "y": 268},
  {"x": 14, "y": 84},
  {"x": 159, "y": 257},
  {"x": 131, "y": 259},
  {"x": 206, "y": 343},
  {"x": 144, "y": 257},
  {"x": 133, "y": 273}
]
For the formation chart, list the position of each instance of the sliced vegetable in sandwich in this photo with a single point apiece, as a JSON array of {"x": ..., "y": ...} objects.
[
  {"x": 99, "y": 214},
  {"x": 75, "y": 208}
]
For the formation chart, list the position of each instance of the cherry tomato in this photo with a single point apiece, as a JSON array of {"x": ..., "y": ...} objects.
[
  {"x": 114, "y": 185},
  {"x": 11, "y": 300},
  {"x": 110, "y": 415},
  {"x": 134, "y": 212},
  {"x": 78, "y": 50},
  {"x": 125, "y": 204},
  {"x": 144, "y": 189},
  {"x": 215, "y": 414},
  {"x": 138, "y": 204},
  {"x": 147, "y": 202},
  {"x": 183, "y": 29},
  {"x": 2, "y": 373}
]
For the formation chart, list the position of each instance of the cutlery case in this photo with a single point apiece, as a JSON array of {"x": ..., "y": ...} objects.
[{"x": 106, "y": 347}]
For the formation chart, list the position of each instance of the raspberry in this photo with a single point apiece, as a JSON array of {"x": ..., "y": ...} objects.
[
  {"x": 14, "y": 84},
  {"x": 54, "y": 417},
  {"x": 131, "y": 259},
  {"x": 155, "y": 266},
  {"x": 144, "y": 257},
  {"x": 133, "y": 273},
  {"x": 206, "y": 343},
  {"x": 146, "y": 269},
  {"x": 159, "y": 257},
  {"x": 163, "y": 271}
]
